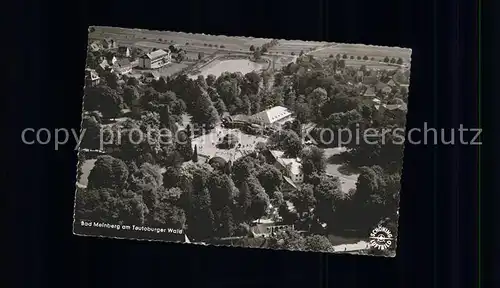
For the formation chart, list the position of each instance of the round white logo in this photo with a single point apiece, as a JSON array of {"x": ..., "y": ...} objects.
[{"x": 381, "y": 238}]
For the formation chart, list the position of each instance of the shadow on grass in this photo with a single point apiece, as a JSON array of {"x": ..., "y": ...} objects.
[
  {"x": 348, "y": 169},
  {"x": 336, "y": 159},
  {"x": 346, "y": 166}
]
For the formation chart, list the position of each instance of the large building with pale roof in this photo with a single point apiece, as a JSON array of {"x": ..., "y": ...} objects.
[
  {"x": 155, "y": 59},
  {"x": 277, "y": 115}
]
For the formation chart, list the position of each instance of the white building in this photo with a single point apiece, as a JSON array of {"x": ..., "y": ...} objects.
[
  {"x": 276, "y": 115},
  {"x": 291, "y": 167},
  {"x": 124, "y": 51},
  {"x": 109, "y": 43},
  {"x": 91, "y": 77},
  {"x": 95, "y": 46},
  {"x": 155, "y": 59},
  {"x": 122, "y": 67},
  {"x": 110, "y": 62},
  {"x": 294, "y": 169}
]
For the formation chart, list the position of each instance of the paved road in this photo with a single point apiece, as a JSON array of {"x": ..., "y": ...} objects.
[{"x": 361, "y": 245}]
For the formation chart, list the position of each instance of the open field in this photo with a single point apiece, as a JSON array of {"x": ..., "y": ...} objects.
[
  {"x": 370, "y": 64},
  {"x": 377, "y": 52},
  {"x": 211, "y": 45},
  {"x": 195, "y": 43},
  {"x": 286, "y": 47},
  {"x": 184, "y": 40}
]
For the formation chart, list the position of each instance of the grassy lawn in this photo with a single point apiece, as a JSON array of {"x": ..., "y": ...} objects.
[
  {"x": 86, "y": 168},
  {"x": 286, "y": 47},
  {"x": 369, "y": 64},
  {"x": 335, "y": 167},
  {"x": 172, "y": 68}
]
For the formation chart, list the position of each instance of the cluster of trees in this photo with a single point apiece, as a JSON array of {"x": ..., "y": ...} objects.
[
  {"x": 331, "y": 103},
  {"x": 321, "y": 207},
  {"x": 325, "y": 99},
  {"x": 317, "y": 95},
  {"x": 345, "y": 56},
  {"x": 386, "y": 59},
  {"x": 213, "y": 201},
  {"x": 207, "y": 201},
  {"x": 258, "y": 51},
  {"x": 393, "y": 60},
  {"x": 234, "y": 93},
  {"x": 213, "y": 45},
  {"x": 320, "y": 96},
  {"x": 292, "y": 240},
  {"x": 310, "y": 88},
  {"x": 179, "y": 53},
  {"x": 121, "y": 192},
  {"x": 221, "y": 200},
  {"x": 287, "y": 140}
]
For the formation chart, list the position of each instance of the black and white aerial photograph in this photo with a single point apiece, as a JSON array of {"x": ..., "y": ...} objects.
[{"x": 242, "y": 142}]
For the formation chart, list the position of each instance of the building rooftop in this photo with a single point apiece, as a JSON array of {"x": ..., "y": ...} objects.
[
  {"x": 156, "y": 54},
  {"x": 272, "y": 115},
  {"x": 292, "y": 164},
  {"x": 91, "y": 74},
  {"x": 277, "y": 154},
  {"x": 122, "y": 49},
  {"x": 123, "y": 63},
  {"x": 290, "y": 182},
  {"x": 402, "y": 107},
  {"x": 391, "y": 83},
  {"x": 239, "y": 117},
  {"x": 109, "y": 41},
  {"x": 95, "y": 46},
  {"x": 370, "y": 80},
  {"x": 370, "y": 92},
  {"x": 152, "y": 74},
  {"x": 381, "y": 85}
]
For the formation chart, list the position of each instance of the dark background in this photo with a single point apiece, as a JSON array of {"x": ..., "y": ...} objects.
[{"x": 438, "y": 228}]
